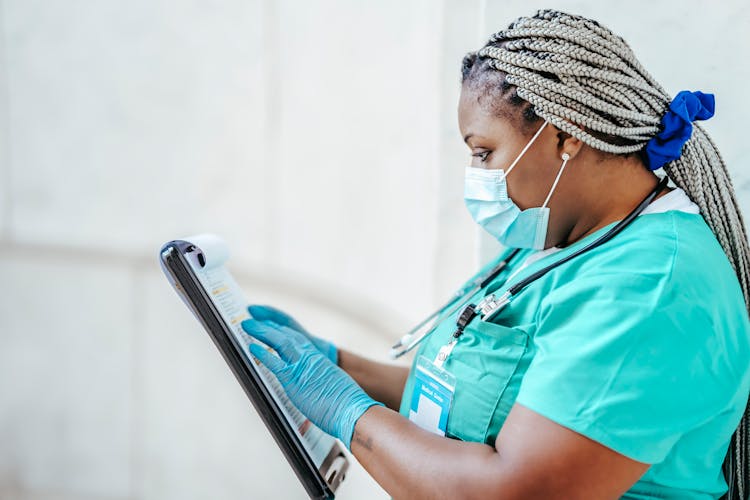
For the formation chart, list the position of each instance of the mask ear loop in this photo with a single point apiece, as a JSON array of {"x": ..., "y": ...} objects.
[
  {"x": 565, "y": 158},
  {"x": 512, "y": 165}
]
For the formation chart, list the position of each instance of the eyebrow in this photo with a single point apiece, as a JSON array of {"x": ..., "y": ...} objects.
[{"x": 467, "y": 137}]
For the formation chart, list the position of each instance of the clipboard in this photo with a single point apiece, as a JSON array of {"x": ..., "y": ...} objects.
[{"x": 195, "y": 268}]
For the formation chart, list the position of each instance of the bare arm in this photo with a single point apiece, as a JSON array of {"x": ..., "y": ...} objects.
[
  {"x": 381, "y": 381},
  {"x": 533, "y": 458}
]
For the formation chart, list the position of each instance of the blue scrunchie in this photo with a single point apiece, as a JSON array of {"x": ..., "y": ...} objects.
[{"x": 677, "y": 126}]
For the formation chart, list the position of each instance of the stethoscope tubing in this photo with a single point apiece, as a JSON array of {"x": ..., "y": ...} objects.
[{"x": 407, "y": 343}]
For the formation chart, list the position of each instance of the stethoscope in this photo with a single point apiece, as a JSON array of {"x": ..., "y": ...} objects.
[{"x": 491, "y": 305}]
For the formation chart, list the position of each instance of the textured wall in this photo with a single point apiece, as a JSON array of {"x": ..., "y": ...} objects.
[{"x": 318, "y": 137}]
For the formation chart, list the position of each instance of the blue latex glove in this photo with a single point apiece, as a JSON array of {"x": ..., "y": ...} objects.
[
  {"x": 268, "y": 313},
  {"x": 322, "y": 391}
]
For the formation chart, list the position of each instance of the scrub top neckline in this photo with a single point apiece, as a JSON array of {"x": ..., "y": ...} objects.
[
  {"x": 674, "y": 200},
  {"x": 526, "y": 270},
  {"x": 561, "y": 253}
]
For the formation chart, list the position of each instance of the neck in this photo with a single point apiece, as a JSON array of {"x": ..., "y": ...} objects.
[{"x": 612, "y": 198}]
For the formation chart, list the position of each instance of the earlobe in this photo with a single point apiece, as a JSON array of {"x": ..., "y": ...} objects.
[{"x": 568, "y": 144}]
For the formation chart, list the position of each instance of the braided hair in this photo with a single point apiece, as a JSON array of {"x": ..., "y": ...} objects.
[{"x": 586, "y": 81}]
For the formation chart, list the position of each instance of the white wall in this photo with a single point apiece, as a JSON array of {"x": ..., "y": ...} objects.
[
  {"x": 318, "y": 137},
  {"x": 685, "y": 45}
]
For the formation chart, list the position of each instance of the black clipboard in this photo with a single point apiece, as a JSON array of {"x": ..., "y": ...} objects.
[{"x": 319, "y": 483}]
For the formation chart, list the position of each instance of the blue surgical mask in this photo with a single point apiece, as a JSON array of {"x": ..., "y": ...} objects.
[{"x": 486, "y": 197}]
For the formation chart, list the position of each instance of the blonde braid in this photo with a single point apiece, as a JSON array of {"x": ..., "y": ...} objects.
[{"x": 586, "y": 80}]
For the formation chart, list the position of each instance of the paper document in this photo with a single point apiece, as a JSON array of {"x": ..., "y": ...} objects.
[{"x": 208, "y": 264}]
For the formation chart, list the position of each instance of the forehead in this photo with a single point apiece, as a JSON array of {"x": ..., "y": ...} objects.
[{"x": 477, "y": 116}]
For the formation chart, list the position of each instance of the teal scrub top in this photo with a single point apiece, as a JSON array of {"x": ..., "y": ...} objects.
[{"x": 641, "y": 344}]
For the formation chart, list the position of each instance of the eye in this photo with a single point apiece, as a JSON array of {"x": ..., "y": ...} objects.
[{"x": 482, "y": 155}]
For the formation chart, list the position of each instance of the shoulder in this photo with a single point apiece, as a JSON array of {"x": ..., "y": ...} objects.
[
  {"x": 666, "y": 269},
  {"x": 661, "y": 250},
  {"x": 662, "y": 295},
  {"x": 628, "y": 336}
]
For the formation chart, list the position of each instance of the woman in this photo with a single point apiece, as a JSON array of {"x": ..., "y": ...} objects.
[{"x": 620, "y": 371}]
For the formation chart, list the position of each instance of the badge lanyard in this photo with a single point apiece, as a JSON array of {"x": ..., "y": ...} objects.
[
  {"x": 434, "y": 386},
  {"x": 417, "y": 334},
  {"x": 491, "y": 305}
]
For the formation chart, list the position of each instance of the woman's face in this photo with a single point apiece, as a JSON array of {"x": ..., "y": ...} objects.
[{"x": 495, "y": 142}]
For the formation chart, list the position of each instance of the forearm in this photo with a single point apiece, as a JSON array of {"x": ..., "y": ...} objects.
[
  {"x": 409, "y": 462},
  {"x": 534, "y": 457},
  {"x": 381, "y": 381}
]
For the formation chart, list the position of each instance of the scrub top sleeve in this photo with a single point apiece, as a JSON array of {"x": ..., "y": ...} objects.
[{"x": 623, "y": 361}]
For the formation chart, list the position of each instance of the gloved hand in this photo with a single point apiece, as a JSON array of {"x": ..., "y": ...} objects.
[
  {"x": 268, "y": 313},
  {"x": 322, "y": 391}
]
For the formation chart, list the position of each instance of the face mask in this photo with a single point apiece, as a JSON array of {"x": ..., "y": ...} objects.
[{"x": 486, "y": 197}]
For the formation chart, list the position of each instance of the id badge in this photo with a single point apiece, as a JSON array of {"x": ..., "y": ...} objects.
[{"x": 432, "y": 396}]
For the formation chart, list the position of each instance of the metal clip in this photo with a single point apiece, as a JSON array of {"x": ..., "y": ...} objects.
[
  {"x": 444, "y": 352},
  {"x": 491, "y": 305}
]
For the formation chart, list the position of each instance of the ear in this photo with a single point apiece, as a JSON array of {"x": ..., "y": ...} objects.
[{"x": 567, "y": 143}]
